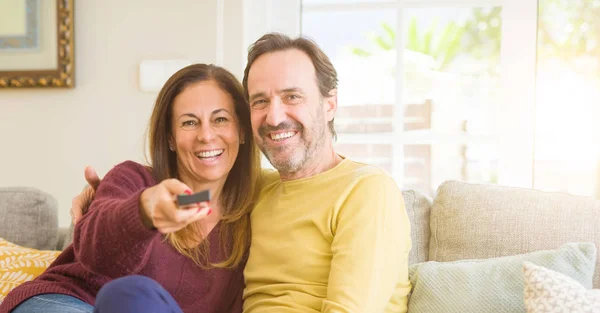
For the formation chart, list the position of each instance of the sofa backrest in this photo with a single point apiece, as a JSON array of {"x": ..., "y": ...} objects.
[
  {"x": 473, "y": 221},
  {"x": 29, "y": 217},
  {"x": 418, "y": 207}
]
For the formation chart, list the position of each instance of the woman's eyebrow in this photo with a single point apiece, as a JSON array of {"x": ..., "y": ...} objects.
[
  {"x": 188, "y": 115},
  {"x": 220, "y": 110}
]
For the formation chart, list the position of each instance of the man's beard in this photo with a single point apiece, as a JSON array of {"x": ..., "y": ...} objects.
[
  {"x": 286, "y": 166},
  {"x": 297, "y": 160}
]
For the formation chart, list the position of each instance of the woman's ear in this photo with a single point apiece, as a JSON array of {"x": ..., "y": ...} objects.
[
  {"x": 242, "y": 137},
  {"x": 171, "y": 145}
]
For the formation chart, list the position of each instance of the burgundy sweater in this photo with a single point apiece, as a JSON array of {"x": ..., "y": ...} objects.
[{"x": 110, "y": 241}]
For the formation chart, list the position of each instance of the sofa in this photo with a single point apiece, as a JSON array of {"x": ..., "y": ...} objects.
[
  {"x": 477, "y": 221},
  {"x": 30, "y": 219},
  {"x": 463, "y": 221}
]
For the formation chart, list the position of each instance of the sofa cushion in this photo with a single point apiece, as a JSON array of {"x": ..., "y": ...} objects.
[
  {"x": 29, "y": 217},
  {"x": 470, "y": 221},
  {"x": 548, "y": 291},
  {"x": 491, "y": 285},
  {"x": 418, "y": 208},
  {"x": 20, "y": 264}
]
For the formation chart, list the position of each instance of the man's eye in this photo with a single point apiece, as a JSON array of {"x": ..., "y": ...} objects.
[
  {"x": 259, "y": 103},
  {"x": 293, "y": 97}
]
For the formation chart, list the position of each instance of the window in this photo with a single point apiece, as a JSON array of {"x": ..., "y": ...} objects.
[
  {"x": 492, "y": 91},
  {"x": 567, "y": 137},
  {"x": 436, "y": 109}
]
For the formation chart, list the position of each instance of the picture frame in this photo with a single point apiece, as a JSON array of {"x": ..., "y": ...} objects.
[{"x": 37, "y": 47}]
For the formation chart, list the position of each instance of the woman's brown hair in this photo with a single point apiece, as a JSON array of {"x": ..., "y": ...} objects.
[{"x": 239, "y": 191}]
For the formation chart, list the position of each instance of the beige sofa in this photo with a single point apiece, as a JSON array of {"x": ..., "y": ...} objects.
[
  {"x": 472, "y": 221},
  {"x": 463, "y": 221}
]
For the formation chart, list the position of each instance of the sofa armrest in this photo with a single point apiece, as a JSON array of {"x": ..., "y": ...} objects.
[{"x": 29, "y": 217}]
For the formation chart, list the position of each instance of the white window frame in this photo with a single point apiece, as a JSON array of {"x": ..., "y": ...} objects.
[{"x": 241, "y": 22}]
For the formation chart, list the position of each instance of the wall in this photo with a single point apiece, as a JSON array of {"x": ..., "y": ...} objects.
[{"x": 47, "y": 137}]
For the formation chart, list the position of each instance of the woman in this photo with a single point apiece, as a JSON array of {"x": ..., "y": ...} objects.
[{"x": 199, "y": 138}]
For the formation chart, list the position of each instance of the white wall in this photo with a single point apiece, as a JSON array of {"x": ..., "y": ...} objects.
[{"x": 47, "y": 137}]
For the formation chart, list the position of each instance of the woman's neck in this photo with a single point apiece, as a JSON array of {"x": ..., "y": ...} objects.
[{"x": 215, "y": 188}]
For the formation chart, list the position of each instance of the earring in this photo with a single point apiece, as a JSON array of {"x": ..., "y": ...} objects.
[{"x": 171, "y": 148}]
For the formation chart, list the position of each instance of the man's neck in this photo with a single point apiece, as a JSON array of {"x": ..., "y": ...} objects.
[{"x": 317, "y": 165}]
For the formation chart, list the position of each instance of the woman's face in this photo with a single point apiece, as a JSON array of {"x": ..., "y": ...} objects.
[{"x": 206, "y": 133}]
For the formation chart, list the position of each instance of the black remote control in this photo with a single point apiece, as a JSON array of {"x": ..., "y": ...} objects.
[{"x": 201, "y": 196}]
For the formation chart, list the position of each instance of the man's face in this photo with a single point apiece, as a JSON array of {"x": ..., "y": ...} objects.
[{"x": 289, "y": 115}]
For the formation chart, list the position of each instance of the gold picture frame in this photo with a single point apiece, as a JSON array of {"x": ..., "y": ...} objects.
[{"x": 60, "y": 48}]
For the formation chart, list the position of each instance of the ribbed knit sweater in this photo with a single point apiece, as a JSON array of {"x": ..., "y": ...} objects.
[{"x": 110, "y": 241}]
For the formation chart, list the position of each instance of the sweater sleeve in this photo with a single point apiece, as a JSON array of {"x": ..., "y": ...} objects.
[
  {"x": 110, "y": 239},
  {"x": 369, "y": 267}
]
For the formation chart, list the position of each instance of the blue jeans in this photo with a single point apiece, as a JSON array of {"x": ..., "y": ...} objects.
[
  {"x": 130, "y": 294},
  {"x": 53, "y": 303}
]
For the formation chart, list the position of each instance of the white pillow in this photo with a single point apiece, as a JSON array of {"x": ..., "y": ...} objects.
[{"x": 550, "y": 291}]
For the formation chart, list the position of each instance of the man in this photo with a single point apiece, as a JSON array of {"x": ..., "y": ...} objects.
[{"x": 328, "y": 234}]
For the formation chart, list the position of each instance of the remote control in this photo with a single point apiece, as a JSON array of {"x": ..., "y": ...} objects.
[{"x": 201, "y": 196}]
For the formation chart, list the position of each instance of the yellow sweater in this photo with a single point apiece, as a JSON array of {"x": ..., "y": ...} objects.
[{"x": 334, "y": 242}]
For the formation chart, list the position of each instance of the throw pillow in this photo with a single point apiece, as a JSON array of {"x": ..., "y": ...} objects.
[
  {"x": 19, "y": 264},
  {"x": 491, "y": 285},
  {"x": 548, "y": 291}
]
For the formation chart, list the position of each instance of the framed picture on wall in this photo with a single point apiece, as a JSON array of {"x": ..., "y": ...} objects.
[{"x": 37, "y": 44}]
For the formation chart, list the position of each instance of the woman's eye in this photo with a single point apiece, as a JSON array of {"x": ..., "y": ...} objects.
[
  {"x": 220, "y": 120},
  {"x": 189, "y": 123}
]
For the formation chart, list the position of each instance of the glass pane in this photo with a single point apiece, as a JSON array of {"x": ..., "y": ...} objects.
[
  {"x": 567, "y": 149},
  {"x": 451, "y": 61},
  {"x": 451, "y": 88},
  {"x": 425, "y": 164},
  {"x": 340, "y": 34},
  {"x": 367, "y": 85}
]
